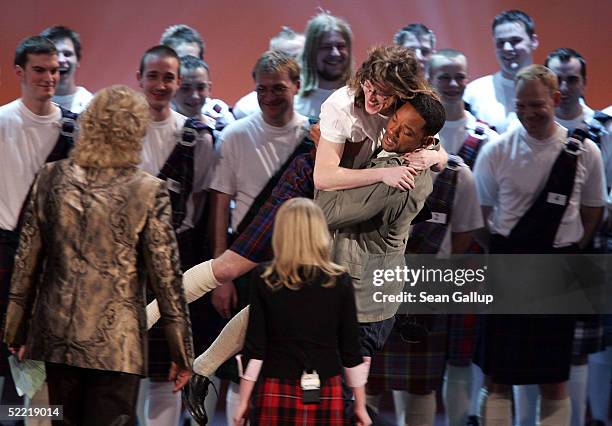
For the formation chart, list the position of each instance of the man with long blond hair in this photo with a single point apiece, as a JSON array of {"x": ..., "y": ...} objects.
[{"x": 92, "y": 222}]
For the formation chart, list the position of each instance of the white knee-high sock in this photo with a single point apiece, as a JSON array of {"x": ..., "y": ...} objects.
[
  {"x": 232, "y": 401},
  {"x": 477, "y": 382},
  {"x": 143, "y": 392},
  {"x": 600, "y": 375},
  {"x": 228, "y": 343},
  {"x": 555, "y": 412},
  {"x": 399, "y": 404},
  {"x": 373, "y": 401},
  {"x": 577, "y": 388},
  {"x": 496, "y": 409},
  {"x": 163, "y": 407},
  {"x": 421, "y": 409},
  {"x": 197, "y": 281},
  {"x": 456, "y": 393},
  {"x": 525, "y": 404}
]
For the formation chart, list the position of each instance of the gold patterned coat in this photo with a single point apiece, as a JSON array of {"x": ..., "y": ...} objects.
[{"x": 91, "y": 239}]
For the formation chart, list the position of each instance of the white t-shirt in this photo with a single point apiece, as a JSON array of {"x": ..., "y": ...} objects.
[
  {"x": 342, "y": 122},
  {"x": 605, "y": 143},
  {"x": 246, "y": 105},
  {"x": 26, "y": 140},
  {"x": 454, "y": 133},
  {"x": 160, "y": 140},
  {"x": 466, "y": 214},
  {"x": 250, "y": 151},
  {"x": 310, "y": 105},
  {"x": 511, "y": 171},
  {"x": 492, "y": 100},
  {"x": 76, "y": 102}
]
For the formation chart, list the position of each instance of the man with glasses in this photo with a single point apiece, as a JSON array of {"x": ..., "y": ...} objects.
[{"x": 251, "y": 151}]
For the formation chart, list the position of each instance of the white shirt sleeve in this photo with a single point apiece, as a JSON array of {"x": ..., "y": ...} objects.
[
  {"x": 335, "y": 123},
  {"x": 224, "y": 171},
  {"x": 466, "y": 215},
  {"x": 484, "y": 174},
  {"x": 594, "y": 190}
]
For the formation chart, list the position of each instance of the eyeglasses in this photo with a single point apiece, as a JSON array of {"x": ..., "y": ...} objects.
[
  {"x": 277, "y": 90},
  {"x": 371, "y": 91}
]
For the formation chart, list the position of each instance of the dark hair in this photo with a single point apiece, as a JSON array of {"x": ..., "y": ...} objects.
[
  {"x": 393, "y": 66},
  {"x": 564, "y": 54},
  {"x": 515, "y": 16},
  {"x": 429, "y": 107},
  {"x": 60, "y": 32},
  {"x": 175, "y": 35},
  {"x": 274, "y": 61},
  {"x": 416, "y": 29},
  {"x": 160, "y": 51},
  {"x": 190, "y": 62},
  {"x": 35, "y": 45}
]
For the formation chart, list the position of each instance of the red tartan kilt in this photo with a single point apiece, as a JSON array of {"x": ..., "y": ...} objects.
[
  {"x": 279, "y": 402},
  {"x": 462, "y": 338}
]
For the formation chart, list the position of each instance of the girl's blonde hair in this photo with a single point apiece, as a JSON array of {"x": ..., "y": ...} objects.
[
  {"x": 112, "y": 128},
  {"x": 301, "y": 245}
]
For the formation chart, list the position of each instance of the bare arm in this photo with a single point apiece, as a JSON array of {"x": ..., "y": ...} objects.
[
  {"x": 591, "y": 218},
  {"x": 223, "y": 298}
]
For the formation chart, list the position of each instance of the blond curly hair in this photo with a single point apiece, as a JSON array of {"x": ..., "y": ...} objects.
[{"x": 112, "y": 128}]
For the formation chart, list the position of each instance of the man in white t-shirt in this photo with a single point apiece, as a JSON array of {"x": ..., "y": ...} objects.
[
  {"x": 185, "y": 40},
  {"x": 326, "y": 62},
  {"x": 251, "y": 151},
  {"x": 510, "y": 174},
  {"x": 159, "y": 78},
  {"x": 420, "y": 39},
  {"x": 286, "y": 41},
  {"x": 68, "y": 43},
  {"x": 29, "y": 132},
  {"x": 491, "y": 98}
]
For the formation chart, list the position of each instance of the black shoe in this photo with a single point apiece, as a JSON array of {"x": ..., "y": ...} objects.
[
  {"x": 194, "y": 395},
  {"x": 472, "y": 421}
]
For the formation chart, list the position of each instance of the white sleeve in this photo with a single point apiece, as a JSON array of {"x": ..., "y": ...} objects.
[
  {"x": 484, "y": 174},
  {"x": 466, "y": 215},
  {"x": 594, "y": 189},
  {"x": 335, "y": 123},
  {"x": 224, "y": 171}
]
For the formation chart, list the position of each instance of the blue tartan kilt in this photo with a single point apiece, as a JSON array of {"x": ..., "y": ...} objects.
[
  {"x": 279, "y": 402},
  {"x": 526, "y": 349},
  {"x": 411, "y": 366}
]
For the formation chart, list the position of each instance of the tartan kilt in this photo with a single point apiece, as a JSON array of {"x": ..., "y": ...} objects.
[
  {"x": 158, "y": 364},
  {"x": 8, "y": 248},
  {"x": 279, "y": 402},
  {"x": 411, "y": 366},
  {"x": 462, "y": 338},
  {"x": 525, "y": 349},
  {"x": 588, "y": 335}
]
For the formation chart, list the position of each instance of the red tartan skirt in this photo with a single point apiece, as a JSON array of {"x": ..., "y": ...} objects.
[{"x": 279, "y": 402}]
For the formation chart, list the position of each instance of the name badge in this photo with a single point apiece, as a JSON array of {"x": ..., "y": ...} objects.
[
  {"x": 173, "y": 185},
  {"x": 437, "y": 217},
  {"x": 558, "y": 199}
]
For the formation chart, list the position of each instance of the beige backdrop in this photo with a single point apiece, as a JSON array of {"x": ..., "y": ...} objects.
[{"x": 115, "y": 33}]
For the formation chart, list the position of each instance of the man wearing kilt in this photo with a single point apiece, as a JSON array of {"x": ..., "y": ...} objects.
[
  {"x": 177, "y": 150},
  {"x": 539, "y": 195},
  {"x": 30, "y": 135}
]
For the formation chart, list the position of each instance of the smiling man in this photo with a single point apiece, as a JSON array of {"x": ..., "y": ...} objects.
[
  {"x": 326, "y": 62},
  {"x": 492, "y": 97},
  {"x": 29, "y": 135},
  {"x": 68, "y": 43},
  {"x": 177, "y": 150}
]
